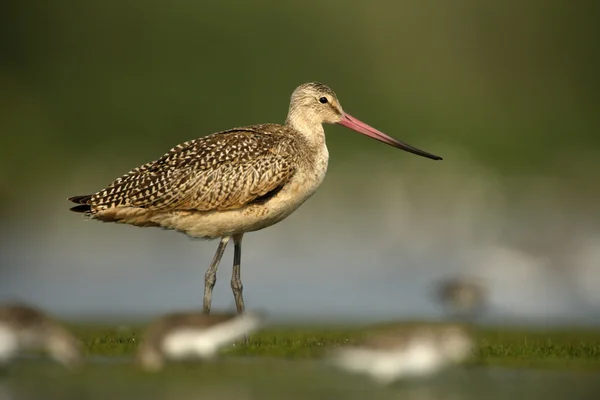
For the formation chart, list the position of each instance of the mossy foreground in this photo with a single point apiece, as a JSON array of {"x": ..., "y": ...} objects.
[{"x": 566, "y": 349}]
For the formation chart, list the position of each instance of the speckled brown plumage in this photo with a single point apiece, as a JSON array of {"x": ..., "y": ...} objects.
[{"x": 222, "y": 171}]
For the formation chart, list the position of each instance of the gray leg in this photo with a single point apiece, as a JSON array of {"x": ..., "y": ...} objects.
[
  {"x": 236, "y": 279},
  {"x": 211, "y": 274}
]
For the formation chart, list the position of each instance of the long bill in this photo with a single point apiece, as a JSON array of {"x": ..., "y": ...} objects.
[{"x": 356, "y": 125}]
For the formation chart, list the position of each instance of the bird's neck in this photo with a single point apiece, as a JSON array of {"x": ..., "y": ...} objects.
[{"x": 311, "y": 131}]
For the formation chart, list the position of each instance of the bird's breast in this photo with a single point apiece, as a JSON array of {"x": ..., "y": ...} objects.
[{"x": 303, "y": 184}]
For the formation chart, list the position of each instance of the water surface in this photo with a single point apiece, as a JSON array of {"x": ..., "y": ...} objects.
[{"x": 258, "y": 378}]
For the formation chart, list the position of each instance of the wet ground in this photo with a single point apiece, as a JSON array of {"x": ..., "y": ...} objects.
[{"x": 238, "y": 378}]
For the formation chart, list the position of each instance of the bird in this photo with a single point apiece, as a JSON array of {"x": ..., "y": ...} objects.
[
  {"x": 24, "y": 328},
  {"x": 463, "y": 298},
  {"x": 405, "y": 353},
  {"x": 232, "y": 182},
  {"x": 188, "y": 335}
]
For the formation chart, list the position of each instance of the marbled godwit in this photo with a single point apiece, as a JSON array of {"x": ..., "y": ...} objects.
[
  {"x": 192, "y": 335},
  {"x": 24, "y": 328},
  {"x": 232, "y": 182},
  {"x": 408, "y": 352}
]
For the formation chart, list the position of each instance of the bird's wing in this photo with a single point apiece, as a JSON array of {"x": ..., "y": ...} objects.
[{"x": 222, "y": 171}]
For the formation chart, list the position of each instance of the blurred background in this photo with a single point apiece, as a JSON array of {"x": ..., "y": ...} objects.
[{"x": 507, "y": 93}]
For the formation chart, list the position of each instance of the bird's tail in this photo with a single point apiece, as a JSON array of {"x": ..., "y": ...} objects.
[{"x": 83, "y": 201}]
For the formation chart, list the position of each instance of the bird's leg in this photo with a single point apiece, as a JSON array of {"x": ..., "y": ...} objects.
[
  {"x": 236, "y": 279},
  {"x": 211, "y": 274}
]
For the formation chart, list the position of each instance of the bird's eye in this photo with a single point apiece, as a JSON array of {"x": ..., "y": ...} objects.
[{"x": 323, "y": 100}]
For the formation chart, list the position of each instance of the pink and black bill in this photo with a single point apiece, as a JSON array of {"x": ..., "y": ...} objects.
[{"x": 356, "y": 125}]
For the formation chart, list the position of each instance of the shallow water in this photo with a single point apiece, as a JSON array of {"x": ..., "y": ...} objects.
[{"x": 258, "y": 378}]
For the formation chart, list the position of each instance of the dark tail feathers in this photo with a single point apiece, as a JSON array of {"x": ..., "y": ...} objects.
[{"x": 83, "y": 206}]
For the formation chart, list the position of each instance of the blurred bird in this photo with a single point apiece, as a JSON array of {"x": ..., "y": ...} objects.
[
  {"x": 464, "y": 298},
  {"x": 408, "y": 352},
  {"x": 189, "y": 335},
  {"x": 232, "y": 182},
  {"x": 25, "y": 328}
]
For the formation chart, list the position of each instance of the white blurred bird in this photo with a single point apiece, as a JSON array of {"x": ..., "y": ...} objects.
[
  {"x": 25, "y": 328},
  {"x": 406, "y": 353},
  {"x": 192, "y": 335}
]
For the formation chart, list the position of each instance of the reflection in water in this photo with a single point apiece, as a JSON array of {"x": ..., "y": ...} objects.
[
  {"x": 246, "y": 379},
  {"x": 6, "y": 392}
]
